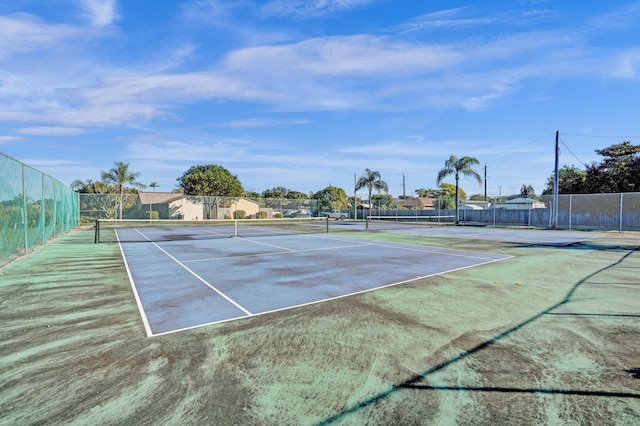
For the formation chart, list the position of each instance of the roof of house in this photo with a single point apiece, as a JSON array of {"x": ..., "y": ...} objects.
[
  {"x": 167, "y": 197},
  {"x": 416, "y": 201},
  {"x": 159, "y": 197},
  {"x": 521, "y": 200}
]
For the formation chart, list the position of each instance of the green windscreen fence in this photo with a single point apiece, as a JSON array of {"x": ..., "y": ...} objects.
[{"x": 34, "y": 208}]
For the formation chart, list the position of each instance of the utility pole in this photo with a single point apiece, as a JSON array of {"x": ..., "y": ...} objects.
[
  {"x": 404, "y": 186},
  {"x": 555, "y": 185},
  {"x": 485, "y": 182},
  {"x": 355, "y": 204}
]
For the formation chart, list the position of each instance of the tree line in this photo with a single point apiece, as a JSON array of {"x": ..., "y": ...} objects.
[
  {"x": 215, "y": 180},
  {"x": 618, "y": 172}
]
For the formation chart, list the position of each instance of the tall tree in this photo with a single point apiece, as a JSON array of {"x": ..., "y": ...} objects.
[
  {"x": 119, "y": 176},
  {"x": 456, "y": 166},
  {"x": 445, "y": 194},
  {"x": 210, "y": 180},
  {"x": 618, "y": 172},
  {"x": 282, "y": 192},
  {"x": 571, "y": 180},
  {"x": 331, "y": 198},
  {"x": 527, "y": 191},
  {"x": 371, "y": 180}
]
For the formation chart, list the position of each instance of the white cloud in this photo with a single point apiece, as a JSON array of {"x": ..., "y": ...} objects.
[
  {"x": 622, "y": 18},
  {"x": 175, "y": 151},
  {"x": 22, "y": 32},
  {"x": 357, "y": 72},
  {"x": 100, "y": 12},
  {"x": 442, "y": 19},
  {"x": 355, "y": 55},
  {"x": 311, "y": 8},
  {"x": 267, "y": 122},
  {"x": 8, "y": 139},
  {"x": 51, "y": 131},
  {"x": 211, "y": 12}
]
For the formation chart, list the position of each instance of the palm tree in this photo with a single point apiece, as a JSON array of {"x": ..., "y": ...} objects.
[
  {"x": 455, "y": 166},
  {"x": 154, "y": 185},
  {"x": 120, "y": 176},
  {"x": 370, "y": 180}
]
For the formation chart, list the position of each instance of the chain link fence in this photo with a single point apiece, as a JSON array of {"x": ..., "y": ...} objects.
[
  {"x": 612, "y": 212},
  {"x": 615, "y": 212},
  {"x": 34, "y": 208},
  {"x": 176, "y": 206}
]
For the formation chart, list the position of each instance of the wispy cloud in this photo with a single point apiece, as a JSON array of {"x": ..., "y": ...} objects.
[
  {"x": 223, "y": 149},
  {"x": 470, "y": 18},
  {"x": 622, "y": 18},
  {"x": 442, "y": 19},
  {"x": 51, "y": 131},
  {"x": 267, "y": 122},
  {"x": 22, "y": 32},
  {"x": 100, "y": 12},
  {"x": 348, "y": 72},
  {"x": 8, "y": 139},
  {"x": 311, "y": 8},
  {"x": 210, "y": 12}
]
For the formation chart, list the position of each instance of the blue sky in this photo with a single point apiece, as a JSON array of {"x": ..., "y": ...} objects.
[{"x": 309, "y": 93}]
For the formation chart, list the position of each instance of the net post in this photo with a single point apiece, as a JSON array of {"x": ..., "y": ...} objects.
[
  {"x": 235, "y": 227},
  {"x": 96, "y": 237},
  {"x": 366, "y": 224},
  {"x": 327, "y": 223}
]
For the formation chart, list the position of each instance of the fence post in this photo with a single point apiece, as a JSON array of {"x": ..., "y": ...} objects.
[
  {"x": 570, "y": 211},
  {"x": 24, "y": 211},
  {"x": 620, "y": 226},
  {"x": 42, "y": 212}
]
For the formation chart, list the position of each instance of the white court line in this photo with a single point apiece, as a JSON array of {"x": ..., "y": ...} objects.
[
  {"x": 230, "y": 300},
  {"x": 145, "y": 320},
  {"x": 415, "y": 247},
  {"x": 217, "y": 233},
  {"x": 265, "y": 244},
  {"x": 446, "y": 252},
  {"x": 287, "y": 251}
]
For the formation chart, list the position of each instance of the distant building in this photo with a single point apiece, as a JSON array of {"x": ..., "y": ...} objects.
[
  {"x": 418, "y": 203},
  {"x": 175, "y": 205},
  {"x": 520, "y": 203},
  {"x": 474, "y": 205},
  {"x": 168, "y": 205}
]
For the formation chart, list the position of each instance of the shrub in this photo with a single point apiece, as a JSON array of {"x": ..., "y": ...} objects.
[
  {"x": 154, "y": 215},
  {"x": 239, "y": 214}
]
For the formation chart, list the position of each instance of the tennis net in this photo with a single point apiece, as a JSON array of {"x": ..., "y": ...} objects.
[
  {"x": 112, "y": 230},
  {"x": 399, "y": 223}
]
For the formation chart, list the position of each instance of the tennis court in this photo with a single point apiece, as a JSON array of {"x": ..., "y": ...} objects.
[
  {"x": 197, "y": 280},
  {"x": 547, "y": 335}
]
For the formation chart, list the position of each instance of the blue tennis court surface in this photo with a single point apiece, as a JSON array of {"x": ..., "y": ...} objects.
[
  {"x": 186, "y": 284},
  {"x": 521, "y": 236}
]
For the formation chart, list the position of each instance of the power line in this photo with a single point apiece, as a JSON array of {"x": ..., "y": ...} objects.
[
  {"x": 601, "y": 136},
  {"x": 524, "y": 144},
  {"x": 576, "y": 157}
]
